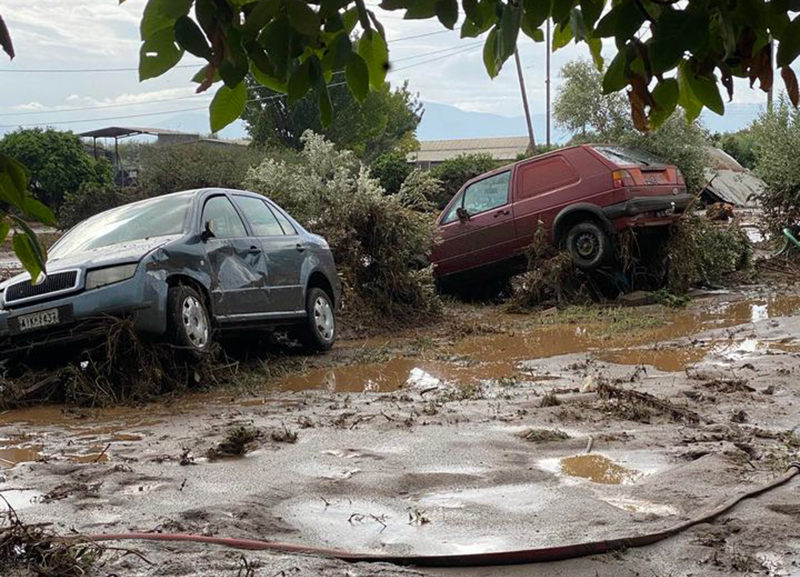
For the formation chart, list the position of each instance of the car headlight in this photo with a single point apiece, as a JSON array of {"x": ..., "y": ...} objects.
[{"x": 110, "y": 275}]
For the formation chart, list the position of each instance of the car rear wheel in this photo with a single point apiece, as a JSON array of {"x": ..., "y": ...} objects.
[
  {"x": 189, "y": 320},
  {"x": 319, "y": 332},
  {"x": 588, "y": 245}
]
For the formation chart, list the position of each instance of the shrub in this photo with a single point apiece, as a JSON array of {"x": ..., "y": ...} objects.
[
  {"x": 165, "y": 169},
  {"x": 702, "y": 252},
  {"x": 391, "y": 169},
  {"x": 777, "y": 145},
  {"x": 92, "y": 199},
  {"x": 376, "y": 240},
  {"x": 420, "y": 190},
  {"x": 454, "y": 172}
]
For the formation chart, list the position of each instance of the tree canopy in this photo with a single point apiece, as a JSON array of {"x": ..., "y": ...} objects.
[{"x": 385, "y": 119}]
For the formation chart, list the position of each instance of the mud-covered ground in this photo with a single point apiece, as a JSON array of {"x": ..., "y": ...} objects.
[{"x": 467, "y": 436}]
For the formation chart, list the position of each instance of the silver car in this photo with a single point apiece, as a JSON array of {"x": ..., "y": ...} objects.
[{"x": 182, "y": 266}]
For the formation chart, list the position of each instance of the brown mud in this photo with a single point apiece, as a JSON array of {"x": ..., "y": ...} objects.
[{"x": 437, "y": 441}]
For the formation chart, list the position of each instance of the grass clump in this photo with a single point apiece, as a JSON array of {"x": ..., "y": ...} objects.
[
  {"x": 377, "y": 240},
  {"x": 543, "y": 435}
]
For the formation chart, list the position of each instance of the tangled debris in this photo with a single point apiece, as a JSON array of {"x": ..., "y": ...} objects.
[
  {"x": 637, "y": 406},
  {"x": 542, "y": 435},
  {"x": 237, "y": 442}
]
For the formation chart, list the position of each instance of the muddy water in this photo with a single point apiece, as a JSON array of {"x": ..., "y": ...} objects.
[
  {"x": 12, "y": 456},
  {"x": 598, "y": 469}
]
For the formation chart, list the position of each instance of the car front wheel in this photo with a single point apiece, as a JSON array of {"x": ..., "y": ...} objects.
[
  {"x": 189, "y": 321},
  {"x": 588, "y": 245},
  {"x": 319, "y": 332}
]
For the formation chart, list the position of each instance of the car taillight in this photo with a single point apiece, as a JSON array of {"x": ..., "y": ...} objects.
[
  {"x": 622, "y": 178},
  {"x": 679, "y": 176}
]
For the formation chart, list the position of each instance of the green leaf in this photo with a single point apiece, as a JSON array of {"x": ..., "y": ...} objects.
[
  {"x": 560, "y": 10},
  {"x": 38, "y": 211},
  {"x": 596, "y": 50},
  {"x": 350, "y": 19},
  {"x": 536, "y": 12},
  {"x": 158, "y": 54},
  {"x": 591, "y": 10},
  {"x": 508, "y": 31},
  {"x": 687, "y": 99},
  {"x": 325, "y": 108},
  {"x": 561, "y": 36},
  {"x": 13, "y": 181},
  {"x": 357, "y": 77},
  {"x": 5, "y": 39},
  {"x": 623, "y": 21},
  {"x": 267, "y": 80},
  {"x": 473, "y": 11},
  {"x": 421, "y": 10},
  {"x": 303, "y": 18},
  {"x": 489, "y": 51},
  {"x": 227, "y": 106},
  {"x": 258, "y": 17},
  {"x": 707, "y": 91},
  {"x": 5, "y": 227},
  {"x": 666, "y": 95},
  {"x": 789, "y": 46},
  {"x": 447, "y": 12},
  {"x": 577, "y": 24},
  {"x": 235, "y": 66},
  {"x": 153, "y": 21},
  {"x": 300, "y": 82},
  {"x": 174, "y": 8},
  {"x": 614, "y": 79},
  {"x": 535, "y": 34},
  {"x": 191, "y": 38},
  {"x": 372, "y": 48},
  {"x": 26, "y": 252}
]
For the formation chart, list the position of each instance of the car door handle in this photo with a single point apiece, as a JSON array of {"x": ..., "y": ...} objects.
[
  {"x": 300, "y": 247},
  {"x": 502, "y": 212},
  {"x": 254, "y": 250}
]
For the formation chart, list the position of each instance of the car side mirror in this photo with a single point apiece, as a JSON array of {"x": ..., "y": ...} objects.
[
  {"x": 462, "y": 214},
  {"x": 208, "y": 231}
]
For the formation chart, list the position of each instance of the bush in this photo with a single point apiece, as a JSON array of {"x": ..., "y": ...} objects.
[
  {"x": 376, "y": 240},
  {"x": 391, "y": 169},
  {"x": 678, "y": 143},
  {"x": 93, "y": 199},
  {"x": 777, "y": 144},
  {"x": 420, "y": 190},
  {"x": 454, "y": 172},
  {"x": 702, "y": 252},
  {"x": 740, "y": 145},
  {"x": 165, "y": 169}
]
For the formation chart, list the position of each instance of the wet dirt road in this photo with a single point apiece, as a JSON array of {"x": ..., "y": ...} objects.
[{"x": 435, "y": 443}]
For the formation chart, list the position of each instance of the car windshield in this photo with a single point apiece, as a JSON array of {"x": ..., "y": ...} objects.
[
  {"x": 620, "y": 155},
  {"x": 161, "y": 216}
]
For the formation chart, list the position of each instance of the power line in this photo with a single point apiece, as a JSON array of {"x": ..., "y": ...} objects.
[
  {"x": 470, "y": 48},
  {"x": 435, "y": 52},
  {"x": 101, "y": 106}
]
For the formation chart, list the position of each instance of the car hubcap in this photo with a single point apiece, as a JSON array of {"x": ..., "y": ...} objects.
[
  {"x": 323, "y": 318},
  {"x": 195, "y": 322},
  {"x": 587, "y": 245}
]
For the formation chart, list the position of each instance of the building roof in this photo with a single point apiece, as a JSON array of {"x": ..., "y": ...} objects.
[
  {"x": 507, "y": 148},
  {"x": 119, "y": 131}
]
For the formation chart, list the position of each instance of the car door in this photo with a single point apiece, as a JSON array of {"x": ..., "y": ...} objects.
[
  {"x": 283, "y": 249},
  {"x": 239, "y": 277},
  {"x": 486, "y": 233}
]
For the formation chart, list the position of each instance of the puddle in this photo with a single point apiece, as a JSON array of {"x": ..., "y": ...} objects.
[
  {"x": 13, "y": 456},
  {"x": 18, "y": 498},
  {"x": 639, "y": 506},
  {"x": 508, "y": 498},
  {"x": 598, "y": 469},
  {"x": 393, "y": 375}
]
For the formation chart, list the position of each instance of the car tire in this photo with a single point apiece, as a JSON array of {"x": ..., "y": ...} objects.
[
  {"x": 189, "y": 321},
  {"x": 319, "y": 331},
  {"x": 588, "y": 245}
]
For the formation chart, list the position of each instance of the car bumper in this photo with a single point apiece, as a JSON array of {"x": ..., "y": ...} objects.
[
  {"x": 142, "y": 298},
  {"x": 642, "y": 205}
]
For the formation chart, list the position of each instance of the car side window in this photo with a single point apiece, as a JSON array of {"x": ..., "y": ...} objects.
[
  {"x": 452, "y": 214},
  {"x": 487, "y": 194},
  {"x": 260, "y": 216},
  {"x": 226, "y": 222},
  {"x": 286, "y": 224}
]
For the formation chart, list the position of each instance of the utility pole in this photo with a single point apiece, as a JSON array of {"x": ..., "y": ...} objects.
[
  {"x": 532, "y": 141},
  {"x": 771, "y": 57},
  {"x": 547, "y": 81}
]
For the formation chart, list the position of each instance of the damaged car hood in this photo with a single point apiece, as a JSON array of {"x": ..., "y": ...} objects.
[{"x": 102, "y": 256}]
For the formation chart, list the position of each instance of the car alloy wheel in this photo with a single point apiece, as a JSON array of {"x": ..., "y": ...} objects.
[
  {"x": 324, "y": 318},
  {"x": 195, "y": 322}
]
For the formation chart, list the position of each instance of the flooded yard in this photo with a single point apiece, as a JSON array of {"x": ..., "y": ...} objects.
[{"x": 488, "y": 433}]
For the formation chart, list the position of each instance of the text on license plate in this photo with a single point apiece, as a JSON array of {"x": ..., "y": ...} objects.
[{"x": 38, "y": 320}]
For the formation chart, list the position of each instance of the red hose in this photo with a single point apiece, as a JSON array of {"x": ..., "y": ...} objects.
[{"x": 471, "y": 559}]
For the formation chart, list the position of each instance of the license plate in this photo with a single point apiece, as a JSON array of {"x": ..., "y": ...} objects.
[{"x": 38, "y": 320}]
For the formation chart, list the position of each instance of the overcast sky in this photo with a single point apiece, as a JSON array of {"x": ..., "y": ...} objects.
[{"x": 79, "y": 34}]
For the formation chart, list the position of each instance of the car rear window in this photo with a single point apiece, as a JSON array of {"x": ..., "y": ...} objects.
[
  {"x": 162, "y": 216},
  {"x": 624, "y": 155}
]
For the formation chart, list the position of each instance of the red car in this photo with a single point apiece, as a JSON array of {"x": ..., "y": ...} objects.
[{"x": 583, "y": 195}]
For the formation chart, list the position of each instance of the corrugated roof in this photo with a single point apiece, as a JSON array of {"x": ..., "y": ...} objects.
[
  {"x": 117, "y": 131},
  {"x": 736, "y": 188},
  {"x": 507, "y": 148}
]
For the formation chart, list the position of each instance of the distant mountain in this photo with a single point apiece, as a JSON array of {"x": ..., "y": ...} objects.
[{"x": 442, "y": 122}]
